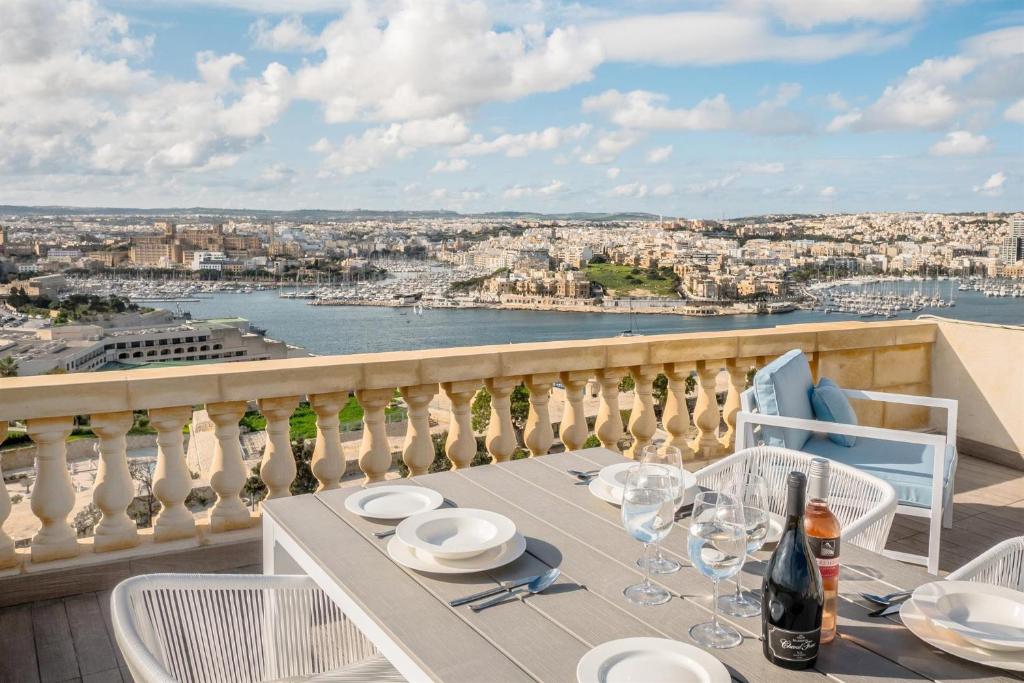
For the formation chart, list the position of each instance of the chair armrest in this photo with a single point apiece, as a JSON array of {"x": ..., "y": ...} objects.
[
  {"x": 950, "y": 405},
  {"x": 936, "y": 440}
]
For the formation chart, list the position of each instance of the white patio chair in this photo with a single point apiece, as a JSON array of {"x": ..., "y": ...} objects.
[
  {"x": 223, "y": 628},
  {"x": 920, "y": 466},
  {"x": 1001, "y": 565},
  {"x": 864, "y": 504}
]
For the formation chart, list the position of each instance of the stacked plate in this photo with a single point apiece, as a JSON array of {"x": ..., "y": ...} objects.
[
  {"x": 975, "y": 621},
  {"x": 439, "y": 540},
  {"x": 650, "y": 660},
  {"x": 610, "y": 482}
]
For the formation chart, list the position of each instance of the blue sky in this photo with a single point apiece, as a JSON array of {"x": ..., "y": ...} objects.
[{"x": 706, "y": 108}]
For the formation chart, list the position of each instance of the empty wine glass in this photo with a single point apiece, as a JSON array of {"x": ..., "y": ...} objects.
[
  {"x": 752, "y": 492},
  {"x": 659, "y": 453},
  {"x": 648, "y": 514},
  {"x": 717, "y": 545}
]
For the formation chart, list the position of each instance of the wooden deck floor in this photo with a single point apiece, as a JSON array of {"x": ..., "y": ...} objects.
[{"x": 71, "y": 639}]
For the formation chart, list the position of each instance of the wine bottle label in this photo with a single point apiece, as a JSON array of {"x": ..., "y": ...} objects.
[
  {"x": 826, "y": 552},
  {"x": 793, "y": 646}
]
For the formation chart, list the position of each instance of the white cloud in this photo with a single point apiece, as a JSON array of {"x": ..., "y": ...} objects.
[
  {"x": 412, "y": 60},
  {"x": 629, "y": 190},
  {"x": 377, "y": 146},
  {"x": 521, "y": 144},
  {"x": 766, "y": 167},
  {"x": 725, "y": 37},
  {"x": 613, "y": 172},
  {"x": 520, "y": 191},
  {"x": 646, "y": 110},
  {"x": 609, "y": 146},
  {"x": 288, "y": 35},
  {"x": 810, "y": 13},
  {"x": 662, "y": 190},
  {"x": 1004, "y": 42},
  {"x": 657, "y": 155},
  {"x": 450, "y": 166},
  {"x": 828, "y": 192},
  {"x": 993, "y": 187},
  {"x": 1015, "y": 112},
  {"x": 835, "y": 101},
  {"x": 960, "y": 143},
  {"x": 921, "y": 99},
  {"x": 709, "y": 186}
]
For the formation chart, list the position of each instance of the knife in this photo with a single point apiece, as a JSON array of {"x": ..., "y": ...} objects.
[
  {"x": 887, "y": 611},
  {"x": 493, "y": 591}
]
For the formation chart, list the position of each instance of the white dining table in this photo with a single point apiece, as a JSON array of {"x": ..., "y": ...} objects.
[{"x": 542, "y": 637}]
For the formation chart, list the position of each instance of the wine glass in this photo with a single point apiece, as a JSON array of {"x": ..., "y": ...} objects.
[
  {"x": 752, "y": 492},
  {"x": 670, "y": 457},
  {"x": 717, "y": 545},
  {"x": 648, "y": 514}
]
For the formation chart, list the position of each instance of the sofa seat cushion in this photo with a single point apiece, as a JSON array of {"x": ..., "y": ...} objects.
[
  {"x": 906, "y": 466},
  {"x": 831, "y": 405},
  {"x": 783, "y": 387}
]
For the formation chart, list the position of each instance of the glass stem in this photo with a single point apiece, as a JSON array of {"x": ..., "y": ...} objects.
[
  {"x": 647, "y": 566},
  {"x": 714, "y": 608},
  {"x": 739, "y": 588},
  {"x": 657, "y": 551}
]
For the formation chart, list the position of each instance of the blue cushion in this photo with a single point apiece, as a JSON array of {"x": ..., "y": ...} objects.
[
  {"x": 783, "y": 387},
  {"x": 907, "y": 466},
  {"x": 831, "y": 405}
]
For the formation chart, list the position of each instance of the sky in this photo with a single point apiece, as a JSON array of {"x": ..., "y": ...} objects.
[{"x": 700, "y": 108}]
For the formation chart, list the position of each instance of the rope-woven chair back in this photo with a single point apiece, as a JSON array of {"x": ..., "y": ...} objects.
[{"x": 1002, "y": 565}]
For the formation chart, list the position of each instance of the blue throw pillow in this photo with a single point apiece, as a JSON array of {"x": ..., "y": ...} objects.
[{"x": 831, "y": 405}]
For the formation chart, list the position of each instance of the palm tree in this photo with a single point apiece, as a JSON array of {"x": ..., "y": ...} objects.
[{"x": 8, "y": 367}]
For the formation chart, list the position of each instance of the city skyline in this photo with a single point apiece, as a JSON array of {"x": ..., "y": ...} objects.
[{"x": 703, "y": 109}]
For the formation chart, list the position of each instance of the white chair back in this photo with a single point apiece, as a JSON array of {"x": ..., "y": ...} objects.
[
  {"x": 864, "y": 504},
  {"x": 1000, "y": 565}
]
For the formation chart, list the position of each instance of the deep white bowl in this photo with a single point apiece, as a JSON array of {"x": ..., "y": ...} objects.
[{"x": 455, "y": 533}]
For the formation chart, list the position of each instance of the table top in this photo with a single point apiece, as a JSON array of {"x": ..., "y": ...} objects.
[{"x": 542, "y": 637}]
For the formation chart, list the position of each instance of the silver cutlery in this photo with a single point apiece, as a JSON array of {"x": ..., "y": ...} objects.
[
  {"x": 886, "y": 600},
  {"x": 384, "y": 534},
  {"x": 539, "y": 584},
  {"x": 887, "y": 611},
  {"x": 518, "y": 583},
  {"x": 583, "y": 473}
]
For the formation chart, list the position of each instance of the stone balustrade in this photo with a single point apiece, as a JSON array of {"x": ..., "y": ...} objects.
[{"x": 894, "y": 356}]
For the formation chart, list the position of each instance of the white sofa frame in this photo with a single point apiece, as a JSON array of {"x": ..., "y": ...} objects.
[{"x": 940, "y": 513}]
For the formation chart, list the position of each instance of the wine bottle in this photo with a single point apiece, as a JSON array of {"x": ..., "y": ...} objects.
[
  {"x": 823, "y": 531},
  {"x": 791, "y": 596}
]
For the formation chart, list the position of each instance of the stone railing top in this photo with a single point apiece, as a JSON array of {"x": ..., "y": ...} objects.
[{"x": 87, "y": 393}]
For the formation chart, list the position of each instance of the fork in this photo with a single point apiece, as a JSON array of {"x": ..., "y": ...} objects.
[{"x": 886, "y": 600}]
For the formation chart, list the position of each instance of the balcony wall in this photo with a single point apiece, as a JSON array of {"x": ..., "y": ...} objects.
[
  {"x": 982, "y": 366},
  {"x": 891, "y": 356}
]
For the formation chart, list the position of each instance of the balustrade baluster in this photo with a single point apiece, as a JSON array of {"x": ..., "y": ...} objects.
[
  {"x": 53, "y": 494},
  {"x": 642, "y": 421},
  {"x": 705, "y": 413},
  {"x": 374, "y": 450},
  {"x": 114, "y": 489},
  {"x": 418, "y": 449},
  {"x": 328, "y": 461},
  {"x": 277, "y": 470},
  {"x": 172, "y": 481},
  {"x": 228, "y": 473},
  {"x": 676, "y": 416},
  {"x": 8, "y": 558},
  {"x": 609, "y": 419},
  {"x": 737, "y": 369},
  {"x": 539, "y": 434},
  {"x": 501, "y": 437},
  {"x": 573, "y": 428},
  {"x": 460, "y": 445}
]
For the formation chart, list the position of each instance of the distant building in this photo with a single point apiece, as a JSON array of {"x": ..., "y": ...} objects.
[{"x": 1011, "y": 249}]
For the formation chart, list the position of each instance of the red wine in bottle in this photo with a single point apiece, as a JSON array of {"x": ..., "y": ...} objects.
[{"x": 792, "y": 598}]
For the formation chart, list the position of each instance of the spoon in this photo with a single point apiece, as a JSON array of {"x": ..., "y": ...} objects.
[
  {"x": 885, "y": 600},
  {"x": 539, "y": 584},
  {"x": 582, "y": 473}
]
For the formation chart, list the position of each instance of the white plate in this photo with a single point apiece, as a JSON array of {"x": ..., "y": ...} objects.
[
  {"x": 455, "y": 533},
  {"x": 614, "y": 476},
  {"x": 948, "y": 641},
  {"x": 649, "y": 660},
  {"x": 990, "y": 617},
  {"x": 614, "y": 495},
  {"x": 492, "y": 559},
  {"x": 395, "y": 501}
]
